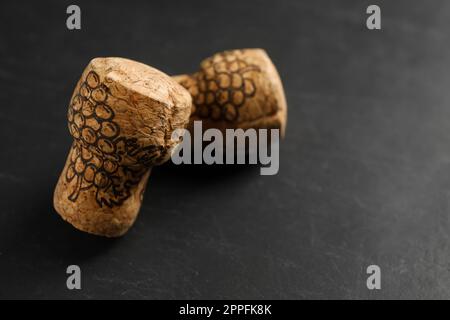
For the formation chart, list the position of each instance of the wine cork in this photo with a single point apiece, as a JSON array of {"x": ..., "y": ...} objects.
[
  {"x": 237, "y": 89},
  {"x": 121, "y": 116}
]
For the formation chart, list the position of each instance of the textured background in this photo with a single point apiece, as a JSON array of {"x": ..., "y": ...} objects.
[{"x": 364, "y": 176}]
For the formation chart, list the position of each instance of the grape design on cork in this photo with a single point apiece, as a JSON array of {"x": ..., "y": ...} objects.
[
  {"x": 100, "y": 158},
  {"x": 221, "y": 87}
]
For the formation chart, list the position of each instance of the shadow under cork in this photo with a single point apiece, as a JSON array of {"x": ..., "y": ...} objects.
[
  {"x": 175, "y": 190},
  {"x": 203, "y": 173}
]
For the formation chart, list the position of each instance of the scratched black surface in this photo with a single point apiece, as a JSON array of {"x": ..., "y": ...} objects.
[{"x": 365, "y": 167}]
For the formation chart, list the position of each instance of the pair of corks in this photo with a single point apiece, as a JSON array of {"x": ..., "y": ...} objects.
[{"x": 122, "y": 115}]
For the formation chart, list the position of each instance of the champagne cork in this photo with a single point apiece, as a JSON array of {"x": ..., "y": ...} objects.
[
  {"x": 121, "y": 117},
  {"x": 237, "y": 89}
]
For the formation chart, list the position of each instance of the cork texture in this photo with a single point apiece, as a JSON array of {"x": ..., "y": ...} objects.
[
  {"x": 237, "y": 89},
  {"x": 121, "y": 115}
]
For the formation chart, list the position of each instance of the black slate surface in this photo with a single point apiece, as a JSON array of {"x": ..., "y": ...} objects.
[{"x": 365, "y": 167}]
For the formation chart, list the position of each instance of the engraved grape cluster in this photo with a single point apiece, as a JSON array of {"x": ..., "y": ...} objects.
[
  {"x": 100, "y": 158},
  {"x": 222, "y": 86}
]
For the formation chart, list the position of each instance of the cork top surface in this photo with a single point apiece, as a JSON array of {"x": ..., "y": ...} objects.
[{"x": 142, "y": 79}]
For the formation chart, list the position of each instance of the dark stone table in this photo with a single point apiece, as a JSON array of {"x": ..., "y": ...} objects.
[{"x": 365, "y": 168}]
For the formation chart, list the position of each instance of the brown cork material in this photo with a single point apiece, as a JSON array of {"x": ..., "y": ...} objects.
[
  {"x": 237, "y": 89},
  {"x": 121, "y": 116}
]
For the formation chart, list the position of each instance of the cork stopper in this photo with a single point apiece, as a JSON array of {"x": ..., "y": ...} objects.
[
  {"x": 121, "y": 116},
  {"x": 237, "y": 89}
]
